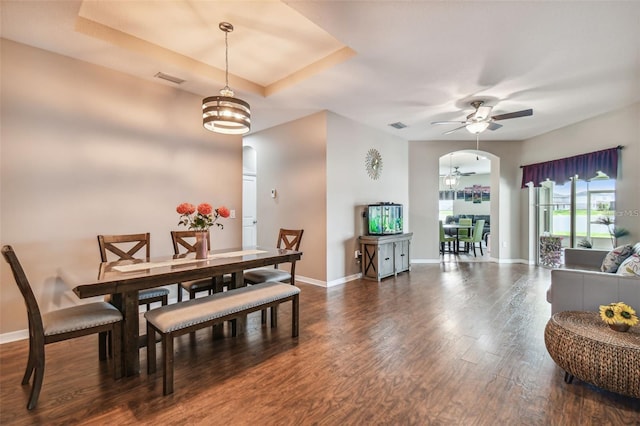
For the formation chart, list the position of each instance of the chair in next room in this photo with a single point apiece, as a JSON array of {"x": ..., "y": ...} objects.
[
  {"x": 476, "y": 237},
  {"x": 444, "y": 238}
]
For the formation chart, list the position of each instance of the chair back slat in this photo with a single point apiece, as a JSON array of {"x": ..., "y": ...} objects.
[
  {"x": 477, "y": 230},
  {"x": 186, "y": 240},
  {"x": 33, "y": 311},
  {"x": 290, "y": 238},
  {"x": 117, "y": 244},
  {"x": 464, "y": 222}
]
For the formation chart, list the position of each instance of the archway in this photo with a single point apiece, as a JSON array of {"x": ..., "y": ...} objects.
[{"x": 465, "y": 185}]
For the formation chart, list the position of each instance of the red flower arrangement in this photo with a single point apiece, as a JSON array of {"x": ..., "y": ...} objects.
[{"x": 202, "y": 217}]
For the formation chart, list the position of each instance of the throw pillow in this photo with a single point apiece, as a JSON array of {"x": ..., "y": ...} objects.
[
  {"x": 615, "y": 257},
  {"x": 630, "y": 267}
]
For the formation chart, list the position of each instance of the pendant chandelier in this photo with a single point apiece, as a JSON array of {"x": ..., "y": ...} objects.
[
  {"x": 226, "y": 113},
  {"x": 451, "y": 180}
]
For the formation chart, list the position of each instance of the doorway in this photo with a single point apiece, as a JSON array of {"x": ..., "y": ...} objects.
[
  {"x": 465, "y": 180},
  {"x": 249, "y": 194}
]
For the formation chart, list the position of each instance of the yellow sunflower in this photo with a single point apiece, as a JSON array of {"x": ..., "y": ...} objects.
[
  {"x": 626, "y": 314},
  {"x": 609, "y": 313}
]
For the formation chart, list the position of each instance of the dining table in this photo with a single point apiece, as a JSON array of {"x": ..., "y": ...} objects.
[
  {"x": 457, "y": 228},
  {"x": 123, "y": 279}
]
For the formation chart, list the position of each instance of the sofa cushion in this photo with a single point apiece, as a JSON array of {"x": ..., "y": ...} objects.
[
  {"x": 630, "y": 266},
  {"x": 615, "y": 257}
]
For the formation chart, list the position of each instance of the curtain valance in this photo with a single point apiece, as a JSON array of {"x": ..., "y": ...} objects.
[{"x": 584, "y": 165}]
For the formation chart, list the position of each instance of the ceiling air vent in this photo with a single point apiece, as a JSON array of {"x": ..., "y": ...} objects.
[
  {"x": 398, "y": 125},
  {"x": 168, "y": 77}
]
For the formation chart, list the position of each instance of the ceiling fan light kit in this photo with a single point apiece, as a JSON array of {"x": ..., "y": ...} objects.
[
  {"x": 477, "y": 127},
  {"x": 225, "y": 113}
]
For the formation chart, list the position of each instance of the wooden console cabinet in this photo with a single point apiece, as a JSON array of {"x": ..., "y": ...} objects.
[{"x": 386, "y": 255}]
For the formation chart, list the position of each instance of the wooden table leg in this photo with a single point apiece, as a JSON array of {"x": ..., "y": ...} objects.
[{"x": 127, "y": 303}]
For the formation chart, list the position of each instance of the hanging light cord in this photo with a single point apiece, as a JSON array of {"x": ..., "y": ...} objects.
[
  {"x": 226, "y": 60},
  {"x": 226, "y": 28}
]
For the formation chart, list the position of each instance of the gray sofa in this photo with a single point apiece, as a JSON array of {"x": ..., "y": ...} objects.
[{"x": 580, "y": 286}]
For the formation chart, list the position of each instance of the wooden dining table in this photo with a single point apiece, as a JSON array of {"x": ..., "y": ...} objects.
[
  {"x": 457, "y": 227},
  {"x": 123, "y": 280}
]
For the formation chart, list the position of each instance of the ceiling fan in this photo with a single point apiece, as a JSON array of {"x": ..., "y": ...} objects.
[
  {"x": 481, "y": 119},
  {"x": 459, "y": 173}
]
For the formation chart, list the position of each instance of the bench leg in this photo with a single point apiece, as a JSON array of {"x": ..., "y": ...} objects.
[
  {"x": 167, "y": 361},
  {"x": 295, "y": 313},
  {"x": 151, "y": 349},
  {"x": 274, "y": 316}
]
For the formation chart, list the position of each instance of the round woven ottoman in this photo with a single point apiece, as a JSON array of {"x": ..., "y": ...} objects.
[{"x": 585, "y": 347}]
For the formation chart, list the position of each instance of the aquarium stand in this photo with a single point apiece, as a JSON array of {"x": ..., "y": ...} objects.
[{"x": 385, "y": 255}]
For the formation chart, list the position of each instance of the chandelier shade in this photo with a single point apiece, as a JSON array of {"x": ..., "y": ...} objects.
[
  {"x": 226, "y": 114},
  {"x": 451, "y": 181}
]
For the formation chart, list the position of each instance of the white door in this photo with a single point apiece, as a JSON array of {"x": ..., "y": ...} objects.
[{"x": 249, "y": 220}]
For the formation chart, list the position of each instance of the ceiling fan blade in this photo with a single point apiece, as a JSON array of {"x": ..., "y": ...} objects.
[
  {"x": 448, "y": 122},
  {"x": 523, "y": 113},
  {"x": 494, "y": 126},
  {"x": 468, "y": 173},
  {"x": 483, "y": 113},
  {"x": 457, "y": 128}
]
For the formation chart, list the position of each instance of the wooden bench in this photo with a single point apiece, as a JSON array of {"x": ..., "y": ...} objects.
[{"x": 186, "y": 317}]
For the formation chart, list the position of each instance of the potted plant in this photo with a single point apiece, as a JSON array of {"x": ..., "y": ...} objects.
[{"x": 614, "y": 231}]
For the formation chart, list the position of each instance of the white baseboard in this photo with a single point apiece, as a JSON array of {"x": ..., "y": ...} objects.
[
  {"x": 14, "y": 336},
  {"x": 344, "y": 280}
]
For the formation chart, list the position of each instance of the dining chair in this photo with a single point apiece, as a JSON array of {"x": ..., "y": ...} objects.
[
  {"x": 464, "y": 233},
  {"x": 126, "y": 247},
  {"x": 185, "y": 242},
  {"x": 444, "y": 238},
  {"x": 289, "y": 239},
  {"x": 63, "y": 324},
  {"x": 476, "y": 237}
]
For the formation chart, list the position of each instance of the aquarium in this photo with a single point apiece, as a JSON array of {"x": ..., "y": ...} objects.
[{"x": 384, "y": 219}]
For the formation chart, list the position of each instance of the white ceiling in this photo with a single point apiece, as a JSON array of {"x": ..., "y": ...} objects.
[{"x": 376, "y": 62}]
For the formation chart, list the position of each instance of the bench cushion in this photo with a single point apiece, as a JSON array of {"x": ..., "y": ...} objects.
[
  {"x": 262, "y": 275},
  {"x": 185, "y": 314}
]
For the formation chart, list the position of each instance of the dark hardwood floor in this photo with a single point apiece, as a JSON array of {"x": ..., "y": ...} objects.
[{"x": 448, "y": 344}]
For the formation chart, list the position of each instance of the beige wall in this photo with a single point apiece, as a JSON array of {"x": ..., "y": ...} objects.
[
  {"x": 291, "y": 158},
  {"x": 316, "y": 164},
  {"x": 423, "y": 195},
  {"x": 85, "y": 150},
  {"x": 349, "y": 187}
]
